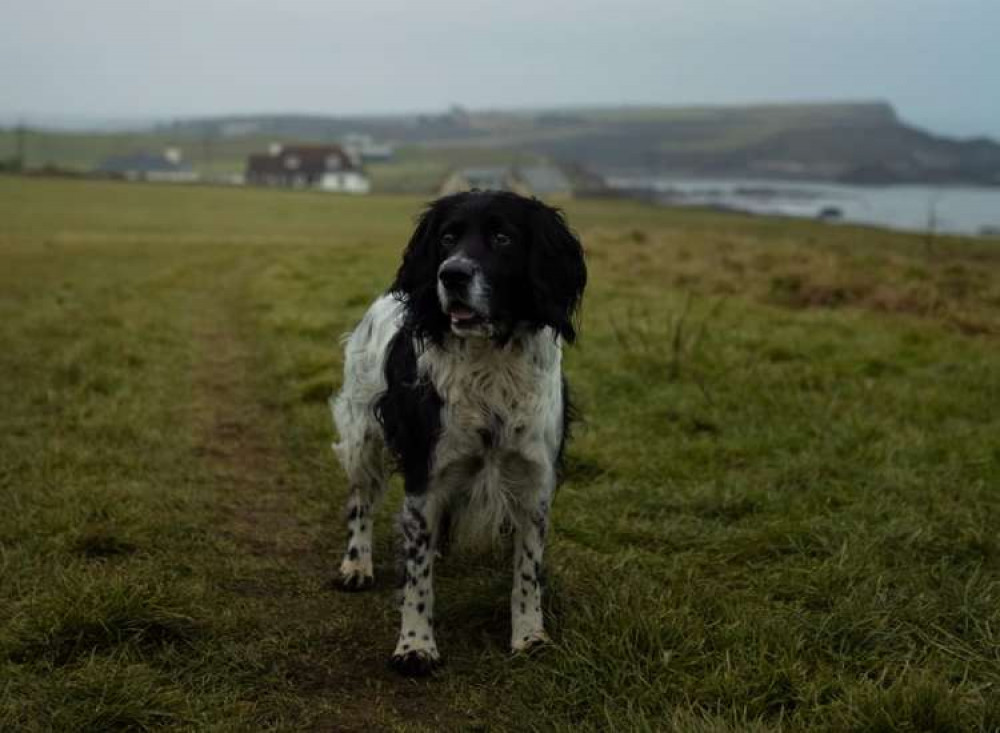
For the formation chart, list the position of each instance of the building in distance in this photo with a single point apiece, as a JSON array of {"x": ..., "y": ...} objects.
[{"x": 319, "y": 167}]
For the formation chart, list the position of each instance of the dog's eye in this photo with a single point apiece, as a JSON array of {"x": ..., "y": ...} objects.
[
  {"x": 500, "y": 239},
  {"x": 448, "y": 240}
]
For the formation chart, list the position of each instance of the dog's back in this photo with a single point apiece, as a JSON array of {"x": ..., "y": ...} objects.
[{"x": 361, "y": 448}]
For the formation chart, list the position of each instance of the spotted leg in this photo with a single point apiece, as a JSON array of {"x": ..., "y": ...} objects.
[
  {"x": 356, "y": 568},
  {"x": 527, "y": 625},
  {"x": 416, "y": 652}
]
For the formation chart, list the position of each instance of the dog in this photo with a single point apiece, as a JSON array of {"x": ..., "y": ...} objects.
[{"x": 454, "y": 378}]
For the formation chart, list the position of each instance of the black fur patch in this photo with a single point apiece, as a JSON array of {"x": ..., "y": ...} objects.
[{"x": 409, "y": 412}]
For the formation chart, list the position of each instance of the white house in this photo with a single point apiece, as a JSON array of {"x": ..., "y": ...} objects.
[{"x": 322, "y": 167}]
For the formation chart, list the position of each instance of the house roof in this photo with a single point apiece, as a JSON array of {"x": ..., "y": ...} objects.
[
  {"x": 540, "y": 180},
  {"x": 544, "y": 179},
  {"x": 486, "y": 179},
  {"x": 307, "y": 159},
  {"x": 142, "y": 162}
]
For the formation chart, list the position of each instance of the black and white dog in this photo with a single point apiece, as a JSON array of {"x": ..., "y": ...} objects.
[{"x": 455, "y": 378}]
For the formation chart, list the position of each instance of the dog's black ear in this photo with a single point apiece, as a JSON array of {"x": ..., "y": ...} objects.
[
  {"x": 416, "y": 280},
  {"x": 557, "y": 271},
  {"x": 419, "y": 263}
]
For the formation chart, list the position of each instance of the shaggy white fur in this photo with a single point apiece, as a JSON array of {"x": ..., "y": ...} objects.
[
  {"x": 493, "y": 466},
  {"x": 501, "y": 422}
]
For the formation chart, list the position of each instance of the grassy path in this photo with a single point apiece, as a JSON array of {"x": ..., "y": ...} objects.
[
  {"x": 329, "y": 647},
  {"x": 194, "y": 550}
]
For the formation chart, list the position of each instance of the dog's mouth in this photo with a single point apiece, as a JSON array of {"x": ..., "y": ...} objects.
[{"x": 463, "y": 317}]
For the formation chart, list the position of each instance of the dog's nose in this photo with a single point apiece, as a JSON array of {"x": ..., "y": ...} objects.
[{"x": 455, "y": 274}]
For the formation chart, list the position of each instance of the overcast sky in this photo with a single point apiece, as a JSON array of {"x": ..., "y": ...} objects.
[{"x": 938, "y": 61}]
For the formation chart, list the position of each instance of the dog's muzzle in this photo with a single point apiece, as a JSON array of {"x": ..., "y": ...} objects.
[{"x": 460, "y": 296}]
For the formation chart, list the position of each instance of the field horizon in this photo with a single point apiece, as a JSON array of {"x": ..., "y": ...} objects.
[
  {"x": 779, "y": 512},
  {"x": 846, "y": 141}
]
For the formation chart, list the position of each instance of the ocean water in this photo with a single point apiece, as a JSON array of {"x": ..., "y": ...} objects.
[{"x": 918, "y": 208}]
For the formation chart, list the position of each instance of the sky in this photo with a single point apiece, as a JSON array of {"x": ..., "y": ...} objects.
[{"x": 936, "y": 61}]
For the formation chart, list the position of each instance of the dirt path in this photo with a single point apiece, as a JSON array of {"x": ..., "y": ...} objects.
[{"x": 329, "y": 646}]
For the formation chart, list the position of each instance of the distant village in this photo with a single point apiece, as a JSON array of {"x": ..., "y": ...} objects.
[
  {"x": 330, "y": 168},
  {"x": 334, "y": 168}
]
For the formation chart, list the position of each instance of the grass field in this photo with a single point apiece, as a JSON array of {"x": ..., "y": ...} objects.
[{"x": 781, "y": 510}]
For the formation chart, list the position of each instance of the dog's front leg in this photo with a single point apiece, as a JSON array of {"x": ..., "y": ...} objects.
[
  {"x": 416, "y": 652},
  {"x": 356, "y": 567},
  {"x": 527, "y": 625}
]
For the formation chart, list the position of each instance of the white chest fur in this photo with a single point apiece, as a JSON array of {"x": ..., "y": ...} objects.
[{"x": 501, "y": 426}]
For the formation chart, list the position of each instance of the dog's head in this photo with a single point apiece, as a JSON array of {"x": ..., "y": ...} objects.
[{"x": 485, "y": 263}]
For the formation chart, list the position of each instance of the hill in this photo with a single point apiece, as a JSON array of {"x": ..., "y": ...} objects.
[
  {"x": 851, "y": 142},
  {"x": 863, "y": 142}
]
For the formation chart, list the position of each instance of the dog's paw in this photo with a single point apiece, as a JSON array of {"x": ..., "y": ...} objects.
[
  {"x": 354, "y": 582},
  {"x": 355, "y": 574},
  {"x": 416, "y": 662},
  {"x": 529, "y": 642}
]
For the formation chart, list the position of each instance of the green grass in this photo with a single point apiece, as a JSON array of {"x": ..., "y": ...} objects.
[{"x": 780, "y": 511}]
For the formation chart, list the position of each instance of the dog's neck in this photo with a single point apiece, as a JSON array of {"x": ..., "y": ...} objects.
[
  {"x": 512, "y": 342},
  {"x": 523, "y": 364}
]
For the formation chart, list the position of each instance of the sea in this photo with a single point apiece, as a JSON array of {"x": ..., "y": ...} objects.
[{"x": 941, "y": 209}]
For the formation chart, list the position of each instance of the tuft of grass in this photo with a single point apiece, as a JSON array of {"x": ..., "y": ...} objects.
[
  {"x": 98, "y": 694},
  {"x": 93, "y": 612},
  {"x": 98, "y": 543}
]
